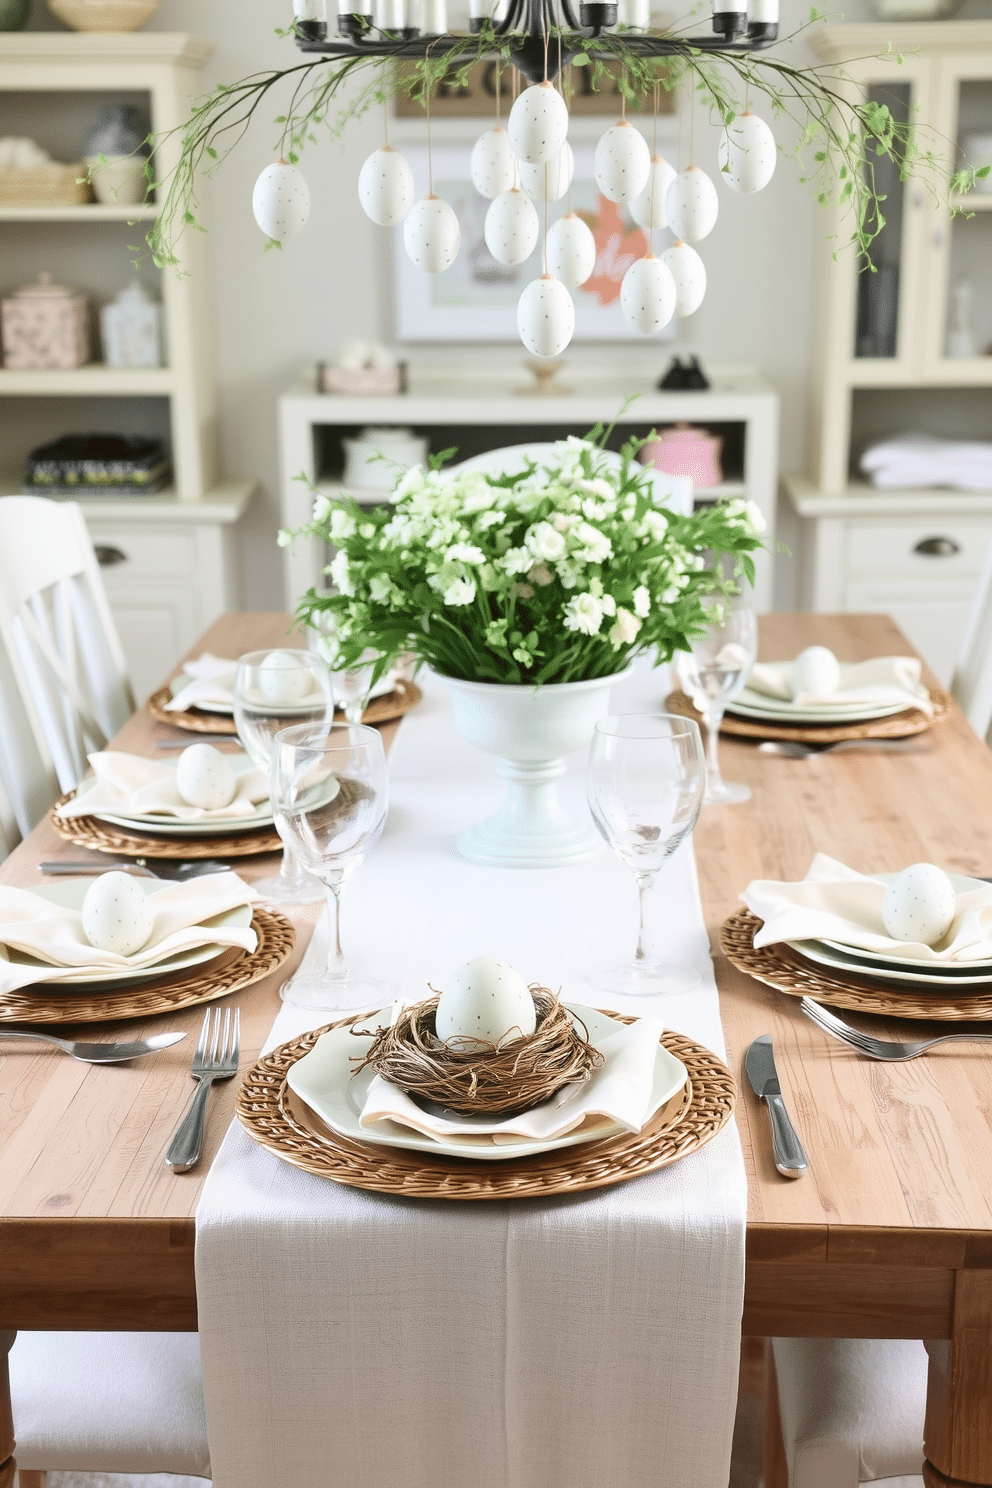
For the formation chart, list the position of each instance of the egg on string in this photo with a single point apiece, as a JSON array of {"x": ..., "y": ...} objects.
[
  {"x": 281, "y": 201},
  {"x": 691, "y": 205},
  {"x": 431, "y": 235},
  {"x": 647, "y": 295},
  {"x": 622, "y": 162},
  {"x": 545, "y": 317},
  {"x": 493, "y": 163},
  {"x": 648, "y": 209},
  {"x": 385, "y": 187},
  {"x": 512, "y": 227},
  {"x": 571, "y": 250},
  {"x": 747, "y": 154},
  {"x": 550, "y": 181},
  {"x": 689, "y": 273},
  {"x": 538, "y": 124}
]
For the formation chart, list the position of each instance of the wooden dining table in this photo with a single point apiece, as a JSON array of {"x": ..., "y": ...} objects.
[{"x": 888, "y": 1236}]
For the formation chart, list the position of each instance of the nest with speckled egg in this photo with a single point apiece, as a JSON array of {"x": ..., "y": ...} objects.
[{"x": 494, "y": 1080}]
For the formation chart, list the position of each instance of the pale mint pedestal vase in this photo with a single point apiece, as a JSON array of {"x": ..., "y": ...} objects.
[{"x": 529, "y": 730}]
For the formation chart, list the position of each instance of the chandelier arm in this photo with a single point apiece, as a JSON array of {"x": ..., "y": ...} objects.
[
  {"x": 571, "y": 42},
  {"x": 514, "y": 13},
  {"x": 570, "y": 15}
]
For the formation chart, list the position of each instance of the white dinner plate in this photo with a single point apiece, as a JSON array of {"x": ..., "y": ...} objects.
[
  {"x": 178, "y": 683},
  {"x": 169, "y": 826},
  {"x": 70, "y": 895},
  {"x": 769, "y": 710},
  {"x": 324, "y": 1081}
]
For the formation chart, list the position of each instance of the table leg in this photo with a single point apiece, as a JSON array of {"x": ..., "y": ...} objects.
[
  {"x": 7, "y": 1464},
  {"x": 957, "y": 1439}
]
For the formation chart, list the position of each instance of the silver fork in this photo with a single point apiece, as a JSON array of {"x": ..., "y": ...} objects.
[
  {"x": 216, "y": 1058},
  {"x": 99, "y": 1053},
  {"x": 794, "y": 749},
  {"x": 168, "y": 871},
  {"x": 874, "y": 1048}
]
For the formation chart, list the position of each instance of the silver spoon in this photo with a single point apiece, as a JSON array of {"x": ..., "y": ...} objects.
[
  {"x": 793, "y": 749},
  {"x": 100, "y": 1053},
  {"x": 193, "y": 868},
  {"x": 875, "y": 1048}
]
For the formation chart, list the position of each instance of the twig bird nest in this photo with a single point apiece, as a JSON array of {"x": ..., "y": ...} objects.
[{"x": 473, "y": 1078}]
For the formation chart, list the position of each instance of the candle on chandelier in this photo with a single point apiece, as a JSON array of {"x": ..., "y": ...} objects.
[
  {"x": 310, "y": 10},
  {"x": 485, "y": 10},
  {"x": 730, "y": 17},
  {"x": 764, "y": 12},
  {"x": 390, "y": 15},
  {"x": 634, "y": 14},
  {"x": 431, "y": 16}
]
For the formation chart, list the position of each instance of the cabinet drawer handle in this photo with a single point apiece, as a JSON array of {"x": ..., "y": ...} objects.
[
  {"x": 107, "y": 556},
  {"x": 937, "y": 547}
]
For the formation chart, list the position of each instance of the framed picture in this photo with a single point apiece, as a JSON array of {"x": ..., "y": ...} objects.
[
  {"x": 476, "y": 299},
  {"x": 474, "y": 95}
]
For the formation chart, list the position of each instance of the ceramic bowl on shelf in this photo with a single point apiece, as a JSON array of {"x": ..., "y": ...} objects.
[{"x": 104, "y": 15}]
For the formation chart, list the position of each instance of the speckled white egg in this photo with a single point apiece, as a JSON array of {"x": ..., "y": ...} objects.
[
  {"x": 282, "y": 679},
  {"x": 485, "y": 1001},
  {"x": 545, "y": 317},
  {"x": 571, "y": 250},
  {"x": 691, "y": 205},
  {"x": 550, "y": 180},
  {"x": 747, "y": 154},
  {"x": 689, "y": 273},
  {"x": 538, "y": 124},
  {"x": 647, "y": 295},
  {"x": 431, "y": 235},
  {"x": 204, "y": 777},
  {"x": 493, "y": 163},
  {"x": 815, "y": 670},
  {"x": 385, "y": 187},
  {"x": 117, "y": 914},
  {"x": 281, "y": 201},
  {"x": 920, "y": 904},
  {"x": 512, "y": 227},
  {"x": 648, "y": 209},
  {"x": 622, "y": 162}
]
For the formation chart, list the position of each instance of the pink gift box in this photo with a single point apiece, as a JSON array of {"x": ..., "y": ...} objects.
[{"x": 686, "y": 450}]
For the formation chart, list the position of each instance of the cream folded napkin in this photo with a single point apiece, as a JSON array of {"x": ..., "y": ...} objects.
[
  {"x": 54, "y": 934},
  {"x": 130, "y": 785},
  {"x": 620, "y": 1091},
  {"x": 884, "y": 679},
  {"x": 833, "y": 902},
  {"x": 211, "y": 681}
]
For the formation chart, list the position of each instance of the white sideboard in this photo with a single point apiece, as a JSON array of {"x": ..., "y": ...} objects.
[{"x": 475, "y": 405}]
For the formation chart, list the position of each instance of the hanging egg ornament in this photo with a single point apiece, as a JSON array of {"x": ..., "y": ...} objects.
[
  {"x": 648, "y": 209},
  {"x": 512, "y": 227},
  {"x": 385, "y": 187},
  {"x": 550, "y": 181},
  {"x": 571, "y": 250},
  {"x": 622, "y": 162},
  {"x": 647, "y": 295},
  {"x": 431, "y": 235},
  {"x": 691, "y": 205},
  {"x": 545, "y": 317},
  {"x": 538, "y": 124},
  {"x": 747, "y": 154},
  {"x": 493, "y": 163},
  {"x": 281, "y": 201},
  {"x": 689, "y": 273}
]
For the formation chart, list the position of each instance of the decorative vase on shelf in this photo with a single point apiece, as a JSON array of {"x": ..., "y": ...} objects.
[
  {"x": 14, "y": 14},
  {"x": 116, "y": 150},
  {"x": 529, "y": 730},
  {"x": 104, "y": 15}
]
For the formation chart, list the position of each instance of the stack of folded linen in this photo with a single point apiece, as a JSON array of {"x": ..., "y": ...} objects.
[{"x": 913, "y": 460}]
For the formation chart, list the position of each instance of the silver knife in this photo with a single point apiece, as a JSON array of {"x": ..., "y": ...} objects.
[{"x": 790, "y": 1157}]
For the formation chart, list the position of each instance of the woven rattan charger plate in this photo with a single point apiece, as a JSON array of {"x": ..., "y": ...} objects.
[
  {"x": 781, "y": 967},
  {"x": 896, "y": 726},
  {"x": 228, "y": 972},
  {"x": 404, "y": 696},
  {"x": 273, "y": 1119},
  {"x": 101, "y": 836}
]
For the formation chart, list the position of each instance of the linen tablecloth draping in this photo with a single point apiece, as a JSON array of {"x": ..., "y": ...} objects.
[{"x": 367, "y": 1341}]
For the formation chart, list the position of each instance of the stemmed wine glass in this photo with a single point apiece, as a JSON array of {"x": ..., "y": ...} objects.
[
  {"x": 273, "y": 689},
  {"x": 712, "y": 673},
  {"x": 645, "y": 785},
  {"x": 352, "y": 685},
  {"x": 330, "y": 795}
]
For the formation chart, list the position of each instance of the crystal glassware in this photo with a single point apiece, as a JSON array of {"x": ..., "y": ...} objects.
[
  {"x": 645, "y": 784},
  {"x": 712, "y": 673},
  {"x": 330, "y": 795},
  {"x": 273, "y": 689},
  {"x": 351, "y": 686}
]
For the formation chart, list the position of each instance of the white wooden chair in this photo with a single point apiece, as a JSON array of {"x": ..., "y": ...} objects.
[
  {"x": 62, "y": 673},
  {"x": 851, "y": 1412},
  {"x": 9, "y": 832},
  {"x": 972, "y": 680},
  {"x": 674, "y": 491}
]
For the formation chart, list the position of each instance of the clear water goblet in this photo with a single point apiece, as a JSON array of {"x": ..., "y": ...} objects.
[
  {"x": 712, "y": 673},
  {"x": 273, "y": 689},
  {"x": 352, "y": 685},
  {"x": 330, "y": 794},
  {"x": 645, "y": 785}
]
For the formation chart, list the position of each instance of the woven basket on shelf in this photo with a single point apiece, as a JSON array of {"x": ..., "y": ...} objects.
[{"x": 48, "y": 185}]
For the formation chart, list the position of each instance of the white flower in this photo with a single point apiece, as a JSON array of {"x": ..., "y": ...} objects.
[
  {"x": 322, "y": 507},
  {"x": 544, "y": 542},
  {"x": 342, "y": 524},
  {"x": 598, "y": 487},
  {"x": 624, "y": 633},
  {"x": 461, "y": 592},
  {"x": 584, "y": 613},
  {"x": 562, "y": 523},
  {"x": 411, "y": 481},
  {"x": 642, "y": 602},
  {"x": 596, "y": 546},
  {"x": 367, "y": 530},
  {"x": 284, "y": 538},
  {"x": 517, "y": 561},
  {"x": 464, "y": 553},
  {"x": 381, "y": 589},
  {"x": 756, "y": 516},
  {"x": 654, "y": 524},
  {"x": 609, "y": 605},
  {"x": 541, "y": 574},
  {"x": 340, "y": 572}
]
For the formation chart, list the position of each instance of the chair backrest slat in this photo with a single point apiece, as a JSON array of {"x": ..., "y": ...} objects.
[{"x": 972, "y": 680}]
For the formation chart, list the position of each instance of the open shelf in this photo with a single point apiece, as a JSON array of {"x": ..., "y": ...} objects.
[
  {"x": 123, "y": 382},
  {"x": 86, "y": 212}
]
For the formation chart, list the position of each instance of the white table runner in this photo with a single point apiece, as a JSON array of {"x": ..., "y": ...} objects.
[{"x": 367, "y": 1341}]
